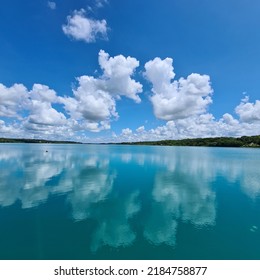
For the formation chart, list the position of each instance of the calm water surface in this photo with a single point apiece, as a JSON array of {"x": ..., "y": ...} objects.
[{"x": 128, "y": 202}]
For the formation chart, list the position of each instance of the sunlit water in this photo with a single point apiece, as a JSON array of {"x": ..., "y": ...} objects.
[{"x": 128, "y": 202}]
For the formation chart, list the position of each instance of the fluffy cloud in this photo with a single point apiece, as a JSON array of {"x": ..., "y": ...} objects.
[
  {"x": 117, "y": 75},
  {"x": 12, "y": 99},
  {"x": 43, "y": 93},
  {"x": 90, "y": 102},
  {"x": 41, "y": 110},
  {"x": 80, "y": 27},
  {"x": 8, "y": 130},
  {"x": 91, "y": 108},
  {"x": 30, "y": 113},
  {"x": 248, "y": 112},
  {"x": 204, "y": 125},
  {"x": 44, "y": 114},
  {"x": 94, "y": 101},
  {"x": 178, "y": 99}
]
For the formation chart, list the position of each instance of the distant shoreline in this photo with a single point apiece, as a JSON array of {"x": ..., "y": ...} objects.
[
  {"x": 35, "y": 141},
  {"x": 244, "y": 141}
]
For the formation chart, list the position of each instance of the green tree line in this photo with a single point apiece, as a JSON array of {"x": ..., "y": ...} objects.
[
  {"x": 244, "y": 141},
  {"x": 18, "y": 140}
]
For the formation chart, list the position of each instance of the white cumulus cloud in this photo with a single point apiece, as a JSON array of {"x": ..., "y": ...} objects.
[
  {"x": 180, "y": 99},
  {"x": 80, "y": 27},
  {"x": 94, "y": 100},
  {"x": 91, "y": 102},
  {"x": 12, "y": 99},
  {"x": 92, "y": 106},
  {"x": 117, "y": 75},
  {"x": 41, "y": 112},
  {"x": 248, "y": 112}
]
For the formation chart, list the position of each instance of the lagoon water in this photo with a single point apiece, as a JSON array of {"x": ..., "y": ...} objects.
[{"x": 128, "y": 202}]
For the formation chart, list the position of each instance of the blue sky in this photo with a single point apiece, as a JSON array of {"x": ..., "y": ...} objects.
[{"x": 110, "y": 70}]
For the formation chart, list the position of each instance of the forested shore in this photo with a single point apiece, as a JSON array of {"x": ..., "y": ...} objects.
[
  {"x": 244, "y": 141},
  {"x": 43, "y": 141}
]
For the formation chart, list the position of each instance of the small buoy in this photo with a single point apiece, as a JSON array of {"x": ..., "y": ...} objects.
[{"x": 46, "y": 151}]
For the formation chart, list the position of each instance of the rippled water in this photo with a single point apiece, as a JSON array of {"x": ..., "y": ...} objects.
[{"x": 128, "y": 202}]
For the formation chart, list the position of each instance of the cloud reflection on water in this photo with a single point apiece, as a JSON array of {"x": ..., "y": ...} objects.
[
  {"x": 113, "y": 225},
  {"x": 181, "y": 188},
  {"x": 181, "y": 192}
]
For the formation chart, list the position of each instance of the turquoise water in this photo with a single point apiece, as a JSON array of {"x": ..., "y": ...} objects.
[{"x": 128, "y": 202}]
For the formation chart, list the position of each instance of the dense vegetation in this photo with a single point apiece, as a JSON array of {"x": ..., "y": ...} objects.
[
  {"x": 17, "y": 140},
  {"x": 244, "y": 141}
]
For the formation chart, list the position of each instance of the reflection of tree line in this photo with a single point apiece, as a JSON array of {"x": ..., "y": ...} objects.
[{"x": 181, "y": 189}]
